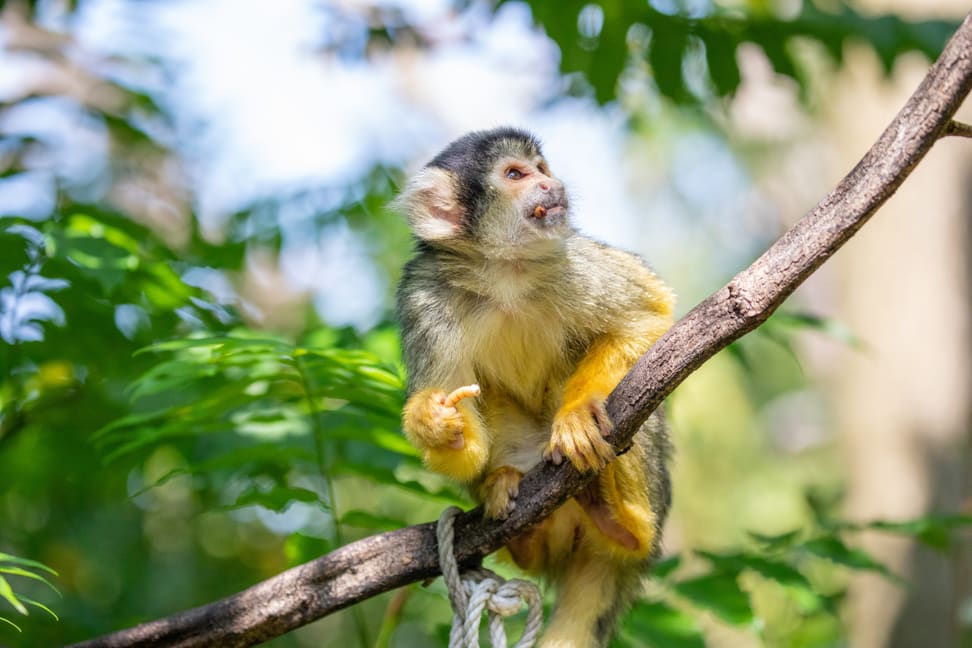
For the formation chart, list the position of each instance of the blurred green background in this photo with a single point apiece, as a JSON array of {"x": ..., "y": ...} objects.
[{"x": 199, "y": 366}]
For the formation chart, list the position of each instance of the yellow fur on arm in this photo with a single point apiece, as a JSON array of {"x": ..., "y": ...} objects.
[
  {"x": 611, "y": 356},
  {"x": 452, "y": 439},
  {"x": 581, "y": 422},
  {"x": 605, "y": 364}
]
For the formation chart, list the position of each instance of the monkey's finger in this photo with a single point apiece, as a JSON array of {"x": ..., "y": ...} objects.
[
  {"x": 602, "y": 419},
  {"x": 605, "y": 451},
  {"x": 598, "y": 452},
  {"x": 457, "y": 395},
  {"x": 585, "y": 456},
  {"x": 553, "y": 455}
]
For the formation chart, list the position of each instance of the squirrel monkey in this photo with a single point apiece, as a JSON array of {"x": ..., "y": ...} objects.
[{"x": 515, "y": 329}]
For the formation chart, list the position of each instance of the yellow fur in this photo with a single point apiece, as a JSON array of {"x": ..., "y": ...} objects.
[
  {"x": 623, "y": 487},
  {"x": 587, "y": 591},
  {"x": 431, "y": 427}
]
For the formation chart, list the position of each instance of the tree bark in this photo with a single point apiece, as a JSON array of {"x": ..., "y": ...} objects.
[{"x": 380, "y": 563}]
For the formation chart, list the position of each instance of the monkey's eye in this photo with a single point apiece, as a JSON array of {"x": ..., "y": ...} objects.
[{"x": 513, "y": 173}]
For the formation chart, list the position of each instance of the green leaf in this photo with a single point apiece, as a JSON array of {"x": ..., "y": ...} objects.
[
  {"x": 269, "y": 422},
  {"x": 778, "y": 542},
  {"x": 821, "y": 503},
  {"x": 11, "y": 623},
  {"x": 794, "y": 582},
  {"x": 830, "y": 327},
  {"x": 601, "y": 58},
  {"x": 26, "y": 562},
  {"x": 720, "y": 56},
  {"x": 665, "y": 55},
  {"x": 7, "y": 593},
  {"x": 278, "y": 498},
  {"x": 720, "y": 594},
  {"x": 17, "y": 571},
  {"x": 300, "y": 548},
  {"x": 665, "y": 567},
  {"x": 934, "y": 531},
  {"x": 40, "y": 605},
  {"x": 833, "y": 548},
  {"x": 342, "y": 425},
  {"x": 659, "y": 624}
]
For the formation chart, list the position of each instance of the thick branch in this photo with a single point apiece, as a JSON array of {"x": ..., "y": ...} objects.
[{"x": 383, "y": 562}]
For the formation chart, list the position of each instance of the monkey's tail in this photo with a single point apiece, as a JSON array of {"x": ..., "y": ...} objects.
[{"x": 592, "y": 594}]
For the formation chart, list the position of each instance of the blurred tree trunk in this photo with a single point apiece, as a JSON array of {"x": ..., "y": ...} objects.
[{"x": 902, "y": 403}]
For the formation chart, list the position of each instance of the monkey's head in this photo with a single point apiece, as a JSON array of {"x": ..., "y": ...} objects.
[{"x": 489, "y": 191}]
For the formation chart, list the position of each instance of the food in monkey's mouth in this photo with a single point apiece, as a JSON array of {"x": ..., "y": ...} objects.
[{"x": 553, "y": 210}]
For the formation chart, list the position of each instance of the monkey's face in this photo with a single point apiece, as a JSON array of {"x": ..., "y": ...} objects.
[
  {"x": 489, "y": 193},
  {"x": 526, "y": 186},
  {"x": 524, "y": 211}
]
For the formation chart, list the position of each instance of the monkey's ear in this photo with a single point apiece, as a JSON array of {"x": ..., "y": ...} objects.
[{"x": 430, "y": 203}]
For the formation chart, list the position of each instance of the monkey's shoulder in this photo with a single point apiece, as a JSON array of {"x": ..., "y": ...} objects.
[
  {"x": 616, "y": 278},
  {"x": 421, "y": 285}
]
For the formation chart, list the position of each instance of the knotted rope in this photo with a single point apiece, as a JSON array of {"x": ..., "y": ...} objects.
[{"x": 481, "y": 589}]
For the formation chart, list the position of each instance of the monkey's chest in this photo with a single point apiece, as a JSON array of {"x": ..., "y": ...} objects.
[{"x": 520, "y": 352}]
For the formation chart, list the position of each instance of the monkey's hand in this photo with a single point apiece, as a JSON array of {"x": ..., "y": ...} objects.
[
  {"x": 447, "y": 431},
  {"x": 432, "y": 419},
  {"x": 499, "y": 491},
  {"x": 578, "y": 434}
]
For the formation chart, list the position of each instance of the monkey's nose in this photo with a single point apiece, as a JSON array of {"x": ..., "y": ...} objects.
[{"x": 551, "y": 185}]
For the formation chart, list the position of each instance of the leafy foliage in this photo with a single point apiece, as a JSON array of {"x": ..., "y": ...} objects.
[
  {"x": 804, "y": 570},
  {"x": 268, "y": 413},
  {"x": 598, "y": 39},
  {"x": 25, "y": 569}
]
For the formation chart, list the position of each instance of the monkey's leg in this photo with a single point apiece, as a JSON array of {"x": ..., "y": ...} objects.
[
  {"x": 516, "y": 441},
  {"x": 592, "y": 592},
  {"x": 448, "y": 431},
  {"x": 619, "y": 504},
  {"x": 604, "y": 574}
]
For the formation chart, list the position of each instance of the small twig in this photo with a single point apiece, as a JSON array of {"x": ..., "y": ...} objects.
[
  {"x": 958, "y": 129},
  {"x": 393, "y": 616}
]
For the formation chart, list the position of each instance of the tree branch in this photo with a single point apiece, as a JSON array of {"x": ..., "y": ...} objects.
[{"x": 383, "y": 562}]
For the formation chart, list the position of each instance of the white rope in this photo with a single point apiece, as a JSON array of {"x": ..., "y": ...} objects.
[{"x": 479, "y": 590}]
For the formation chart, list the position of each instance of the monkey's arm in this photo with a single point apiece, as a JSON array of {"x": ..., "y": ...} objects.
[
  {"x": 440, "y": 417},
  {"x": 636, "y": 312}
]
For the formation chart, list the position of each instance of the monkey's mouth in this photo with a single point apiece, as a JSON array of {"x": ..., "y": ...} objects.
[
  {"x": 552, "y": 211},
  {"x": 548, "y": 213}
]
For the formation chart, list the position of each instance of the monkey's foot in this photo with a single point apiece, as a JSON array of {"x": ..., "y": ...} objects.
[
  {"x": 578, "y": 435},
  {"x": 499, "y": 491}
]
